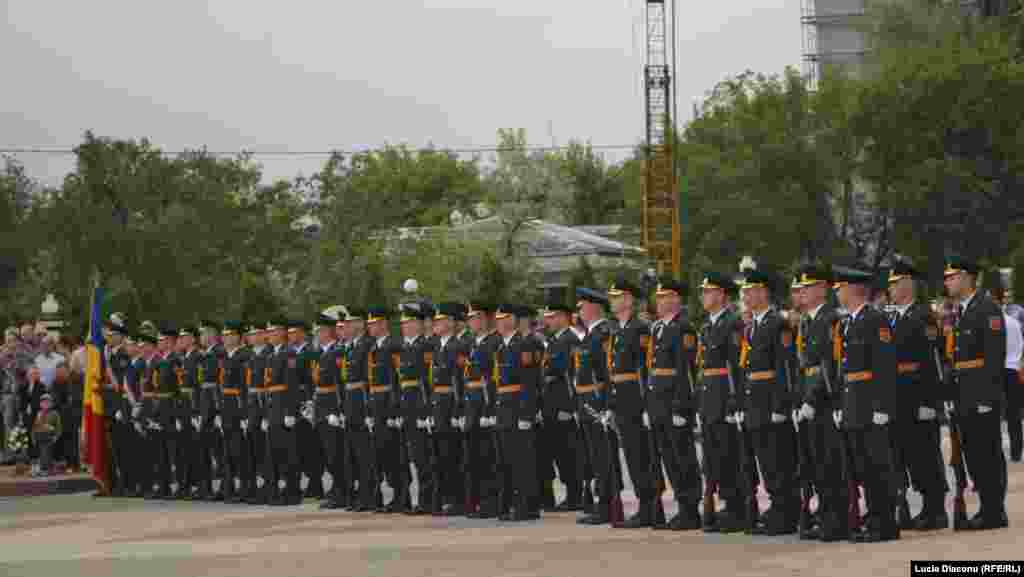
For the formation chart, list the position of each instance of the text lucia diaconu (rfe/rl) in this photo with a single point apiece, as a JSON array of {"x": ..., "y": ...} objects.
[{"x": 966, "y": 567}]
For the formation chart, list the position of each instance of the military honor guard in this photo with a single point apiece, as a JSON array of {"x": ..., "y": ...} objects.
[
  {"x": 384, "y": 418},
  {"x": 160, "y": 413},
  {"x": 447, "y": 361},
  {"x": 979, "y": 354},
  {"x": 207, "y": 421},
  {"x": 719, "y": 394},
  {"x": 411, "y": 423},
  {"x": 360, "y": 452},
  {"x": 482, "y": 479},
  {"x": 917, "y": 400},
  {"x": 256, "y": 382},
  {"x": 282, "y": 406},
  {"x": 234, "y": 413},
  {"x": 188, "y": 464},
  {"x": 114, "y": 397},
  {"x": 867, "y": 371},
  {"x": 592, "y": 389},
  {"x": 671, "y": 402},
  {"x": 559, "y": 434},
  {"x": 326, "y": 380}
]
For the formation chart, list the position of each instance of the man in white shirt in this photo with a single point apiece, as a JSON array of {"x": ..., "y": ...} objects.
[
  {"x": 47, "y": 361},
  {"x": 1014, "y": 384}
]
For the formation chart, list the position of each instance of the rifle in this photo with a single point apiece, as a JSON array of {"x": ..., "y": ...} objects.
[
  {"x": 803, "y": 464},
  {"x": 748, "y": 469},
  {"x": 956, "y": 461},
  {"x": 852, "y": 488},
  {"x": 615, "y": 513}
]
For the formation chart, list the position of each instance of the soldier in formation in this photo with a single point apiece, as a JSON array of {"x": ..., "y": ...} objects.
[{"x": 480, "y": 415}]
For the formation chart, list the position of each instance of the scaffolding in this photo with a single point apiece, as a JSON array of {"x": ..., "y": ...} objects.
[{"x": 837, "y": 16}]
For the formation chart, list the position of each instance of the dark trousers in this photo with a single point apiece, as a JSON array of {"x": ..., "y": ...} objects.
[
  {"x": 678, "y": 453},
  {"x": 184, "y": 455},
  {"x": 873, "y": 467},
  {"x": 418, "y": 450},
  {"x": 559, "y": 440},
  {"x": 282, "y": 457},
  {"x": 1014, "y": 404},
  {"x": 310, "y": 457},
  {"x": 603, "y": 448},
  {"x": 124, "y": 453},
  {"x": 917, "y": 458},
  {"x": 447, "y": 477},
  {"x": 162, "y": 450},
  {"x": 982, "y": 439},
  {"x": 71, "y": 442},
  {"x": 479, "y": 460},
  {"x": 519, "y": 470},
  {"x": 390, "y": 457},
  {"x": 259, "y": 458},
  {"x": 635, "y": 444},
  {"x": 360, "y": 457},
  {"x": 545, "y": 454},
  {"x": 235, "y": 458},
  {"x": 332, "y": 447},
  {"x": 773, "y": 447},
  {"x": 722, "y": 460}
]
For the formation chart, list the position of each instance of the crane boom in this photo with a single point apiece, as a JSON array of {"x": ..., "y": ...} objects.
[{"x": 659, "y": 225}]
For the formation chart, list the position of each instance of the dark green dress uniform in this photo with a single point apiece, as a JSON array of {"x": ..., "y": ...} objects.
[
  {"x": 135, "y": 466},
  {"x": 282, "y": 402},
  {"x": 234, "y": 410},
  {"x": 592, "y": 380},
  {"x": 162, "y": 412},
  {"x": 414, "y": 408},
  {"x": 766, "y": 395},
  {"x": 483, "y": 485},
  {"x": 382, "y": 370},
  {"x": 517, "y": 367},
  {"x": 326, "y": 373},
  {"x": 979, "y": 359},
  {"x": 671, "y": 361},
  {"x": 257, "y": 379},
  {"x": 718, "y": 354},
  {"x": 559, "y": 436},
  {"x": 819, "y": 364},
  {"x": 209, "y": 378},
  {"x": 628, "y": 373},
  {"x": 190, "y": 470},
  {"x": 114, "y": 399},
  {"x": 917, "y": 443},
  {"x": 360, "y": 453},
  {"x": 867, "y": 376},
  {"x": 310, "y": 455},
  {"x": 446, "y": 379}
]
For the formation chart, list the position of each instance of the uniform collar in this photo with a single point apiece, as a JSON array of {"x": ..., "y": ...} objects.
[
  {"x": 967, "y": 301},
  {"x": 591, "y": 326},
  {"x": 715, "y": 316},
  {"x": 758, "y": 317},
  {"x": 561, "y": 332},
  {"x": 814, "y": 313},
  {"x": 856, "y": 313}
]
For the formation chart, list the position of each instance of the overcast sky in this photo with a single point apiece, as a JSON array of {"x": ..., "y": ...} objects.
[{"x": 312, "y": 75}]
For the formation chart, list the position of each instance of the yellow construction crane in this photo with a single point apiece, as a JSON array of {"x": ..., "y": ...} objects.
[{"x": 659, "y": 223}]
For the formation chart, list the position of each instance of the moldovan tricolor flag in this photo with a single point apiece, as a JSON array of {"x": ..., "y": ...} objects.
[{"x": 94, "y": 431}]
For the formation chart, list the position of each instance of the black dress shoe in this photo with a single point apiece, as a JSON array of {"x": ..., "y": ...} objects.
[
  {"x": 685, "y": 521},
  {"x": 932, "y": 522},
  {"x": 595, "y": 519},
  {"x": 330, "y": 505},
  {"x": 639, "y": 521},
  {"x": 984, "y": 521}
]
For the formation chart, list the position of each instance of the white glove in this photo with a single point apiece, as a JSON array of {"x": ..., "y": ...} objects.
[
  {"x": 264, "y": 425},
  {"x": 245, "y": 424},
  {"x": 837, "y": 416},
  {"x": 678, "y": 420},
  {"x": 778, "y": 418},
  {"x": 880, "y": 419},
  {"x": 136, "y": 411},
  {"x": 217, "y": 422},
  {"x": 606, "y": 418},
  {"x": 740, "y": 416},
  {"x": 119, "y": 416},
  {"x": 289, "y": 421},
  {"x": 455, "y": 423},
  {"x": 982, "y": 409},
  {"x": 647, "y": 420},
  {"x": 195, "y": 423},
  {"x": 368, "y": 421},
  {"x": 563, "y": 416},
  {"x": 539, "y": 418},
  {"x": 332, "y": 420},
  {"x": 138, "y": 427},
  {"x": 198, "y": 421},
  {"x": 525, "y": 425},
  {"x": 484, "y": 422},
  {"x": 947, "y": 407},
  {"x": 430, "y": 422},
  {"x": 421, "y": 423},
  {"x": 341, "y": 420},
  {"x": 462, "y": 423},
  {"x": 177, "y": 425},
  {"x": 925, "y": 414},
  {"x": 796, "y": 416},
  {"x": 807, "y": 411},
  {"x": 390, "y": 423},
  {"x": 308, "y": 415},
  {"x": 730, "y": 418}
]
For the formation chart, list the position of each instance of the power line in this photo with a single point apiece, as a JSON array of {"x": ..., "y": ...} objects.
[{"x": 65, "y": 151}]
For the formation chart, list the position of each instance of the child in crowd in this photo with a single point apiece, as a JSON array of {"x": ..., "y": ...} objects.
[{"x": 45, "y": 431}]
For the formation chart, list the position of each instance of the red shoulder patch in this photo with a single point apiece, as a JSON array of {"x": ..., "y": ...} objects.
[
  {"x": 995, "y": 323},
  {"x": 787, "y": 338},
  {"x": 885, "y": 335}
]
